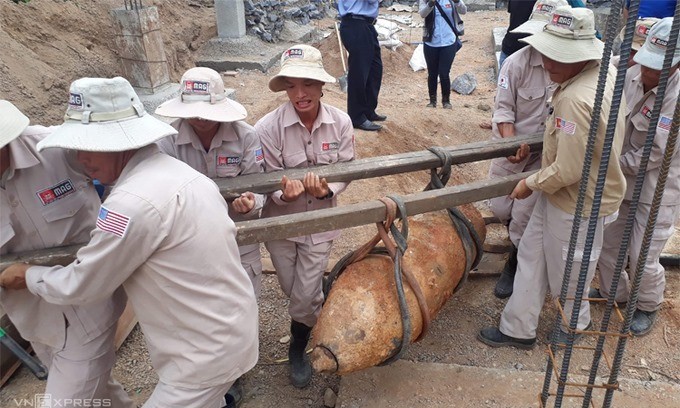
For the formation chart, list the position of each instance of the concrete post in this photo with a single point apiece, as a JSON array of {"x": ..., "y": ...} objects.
[
  {"x": 140, "y": 45},
  {"x": 231, "y": 18}
]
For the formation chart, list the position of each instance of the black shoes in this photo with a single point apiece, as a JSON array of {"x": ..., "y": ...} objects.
[
  {"x": 493, "y": 337},
  {"x": 234, "y": 396},
  {"x": 376, "y": 117},
  {"x": 561, "y": 339},
  {"x": 300, "y": 367},
  {"x": 642, "y": 322},
  {"x": 594, "y": 293},
  {"x": 447, "y": 105},
  {"x": 432, "y": 104},
  {"x": 505, "y": 283},
  {"x": 369, "y": 126}
]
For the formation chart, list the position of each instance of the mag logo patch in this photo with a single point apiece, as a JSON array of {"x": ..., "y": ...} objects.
[
  {"x": 659, "y": 41},
  {"x": 642, "y": 31},
  {"x": 330, "y": 146},
  {"x": 544, "y": 8},
  {"x": 562, "y": 21},
  {"x": 75, "y": 101},
  {"x": 228, "y": 160},
  {"x": 196, "y": 87},
  {"x": 294, "y": 53},
  {"x": 57, "y": 191},
  {"x": 646, "y": 112}
]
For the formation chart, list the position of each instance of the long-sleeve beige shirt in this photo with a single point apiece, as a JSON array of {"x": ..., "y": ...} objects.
[
  {"x": 45, "y": 201},
  {"x": 164, "y": 234},
  {"x": 288, "y": 144},
  {"x": 565, "y": 140},
  {"x": 235, "y": 150},
  {"x": 640, "y": 105}
]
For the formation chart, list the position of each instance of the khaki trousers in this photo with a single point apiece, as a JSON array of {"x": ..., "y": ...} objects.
[
  {"x": 541, "y": 261},
  {"x": 80, "y": 373},
  {"x": 251, "y": 260},
  {"x": 168, "y": 396},
  {"x": 653, "y": 281},
  {"x": 300, "y": 268}
]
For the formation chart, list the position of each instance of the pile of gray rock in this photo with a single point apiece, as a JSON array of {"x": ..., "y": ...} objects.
[{"x": 265, "y": 18}]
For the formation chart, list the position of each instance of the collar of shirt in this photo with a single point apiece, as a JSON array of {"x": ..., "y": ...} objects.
[
  {"x": 186, "y": 135},
  {"x": 142, "y": 154},
  {"x": 290, "y": 116},
  {"x": 21, "y": 157},
  {"x": 535, "y": 58}
]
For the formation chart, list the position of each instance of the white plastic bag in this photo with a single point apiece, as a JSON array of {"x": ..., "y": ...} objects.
[{"x": 417, "y": 61}]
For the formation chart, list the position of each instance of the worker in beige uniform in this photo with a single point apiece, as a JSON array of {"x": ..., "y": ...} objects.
[
  {"x": 46, "y": 202},
  {"x": 521, "y": 107},
  {"x": 163, "y": 233},
  {"x": 571, "y": 54},
  {"x": 640, "y": 33},
  {"x": 213, "y": 138},
  {"x": 641, "y": 88},
  {"x": 303, "y": 133}
]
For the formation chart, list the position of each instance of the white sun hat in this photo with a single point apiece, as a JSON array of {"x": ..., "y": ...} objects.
[
  {"x": 105, "y": 115},
  {"x": 300, "y": 61},
  {"x": 540, "y": 16},
  {"x": 569, "y": 37},
  {"x": 12, "y": 122},
  {"x": 202, "y": 95},
  {"x": 642, "y": 27},
  {"x": 652, "y": 53}
]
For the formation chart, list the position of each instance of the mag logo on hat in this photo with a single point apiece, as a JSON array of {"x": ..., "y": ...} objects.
[
  {"x": 659, "y": 41},
  {"x": 294, "y": 53},
  {"x": 562, "y": 21},
  {"x": 75, "y": 101},
  {"x": 544, "y": 8},
  {"x": 196, "y": 87}
]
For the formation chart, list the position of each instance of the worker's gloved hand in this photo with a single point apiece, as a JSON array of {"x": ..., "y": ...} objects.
[{"x": 291, "y": 189}]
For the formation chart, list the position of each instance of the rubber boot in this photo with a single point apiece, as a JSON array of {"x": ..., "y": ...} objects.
[
  {"x": 505, "y": 282},
  {"x": 446, "y": 102},
  {"x": 433, "y": 101},
  {"x": 300, "y": 368}
]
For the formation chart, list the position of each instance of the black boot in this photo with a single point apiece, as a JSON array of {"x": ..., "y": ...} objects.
[
  {"x": 433, "y": 101},
  {"x": 505, "y": 282},
  {"x": 446, "y": 101},
  {"x": 300, "y": 368}
]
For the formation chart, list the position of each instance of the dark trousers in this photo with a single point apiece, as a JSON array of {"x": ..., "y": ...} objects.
[
  {"x": 364, "y": 70},
  {"x": 439, "y": 61}
]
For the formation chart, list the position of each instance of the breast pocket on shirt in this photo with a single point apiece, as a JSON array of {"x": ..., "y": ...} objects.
[
  {"x": 326, "y": 158},
  {"x": 641, "y": 123},
  {"x": 530, "y": 101},
  {"x": 65, "y": 207},
  {"x": 293, "y": 160},
  {"x": 228, "y": 171}
]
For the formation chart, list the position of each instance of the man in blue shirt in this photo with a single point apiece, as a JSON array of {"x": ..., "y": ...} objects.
[
  {"x": 364, "y": 71},
  {"x": 653, "y": 8}
]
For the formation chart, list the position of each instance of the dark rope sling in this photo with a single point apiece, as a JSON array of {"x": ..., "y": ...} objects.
[{"x": 395, "y": 208}]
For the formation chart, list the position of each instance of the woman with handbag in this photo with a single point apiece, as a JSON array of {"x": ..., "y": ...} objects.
[{"x": 441, "y": 41}]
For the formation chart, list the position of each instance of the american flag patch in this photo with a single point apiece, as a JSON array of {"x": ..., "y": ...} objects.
[
  {"x": 113, "y": 222},
  {"x": 259, "y": 154},
  {"x": 565, "y": 126},
  {"x": 665, "y": 123}
]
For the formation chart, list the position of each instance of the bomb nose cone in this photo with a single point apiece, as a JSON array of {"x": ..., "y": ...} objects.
[{"x": 323, "y": 360}]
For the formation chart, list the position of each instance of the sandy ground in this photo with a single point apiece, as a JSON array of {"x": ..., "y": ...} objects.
[{"x": 40, "y": 36}]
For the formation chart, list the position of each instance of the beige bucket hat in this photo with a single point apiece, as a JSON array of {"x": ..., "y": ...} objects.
[
  {"x": 202, "y": 95},
  {"x": 105, "y": 115},
  {"x": 642, "y": 27},
  {"x": 652, "y": 53},
  {"x": 12, "y": 122},
  {"x": 300, "y": 61},
  {"x": 569, "y": 37},
  {"x": 540, "y": 16}
]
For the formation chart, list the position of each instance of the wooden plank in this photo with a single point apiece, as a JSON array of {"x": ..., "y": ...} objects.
[
  {"x": 126, "y": 322},
  {"x": 378, "y": 166},
  {"x": 293, "y": 225}
]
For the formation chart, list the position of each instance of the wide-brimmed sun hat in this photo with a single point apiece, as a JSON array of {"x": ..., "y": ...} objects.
[
  {"x": 569, "y": 37},
  {"x": 642, "y": 27},
  {"x": 652, "y": 53},
  {"x": 300, "y": 61},
  {"x": 105, "y": 115},
  {"x": 540, "y": 16},
  {"x": 12, "y": 122},
  {"x": 202, "y": 95}
]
